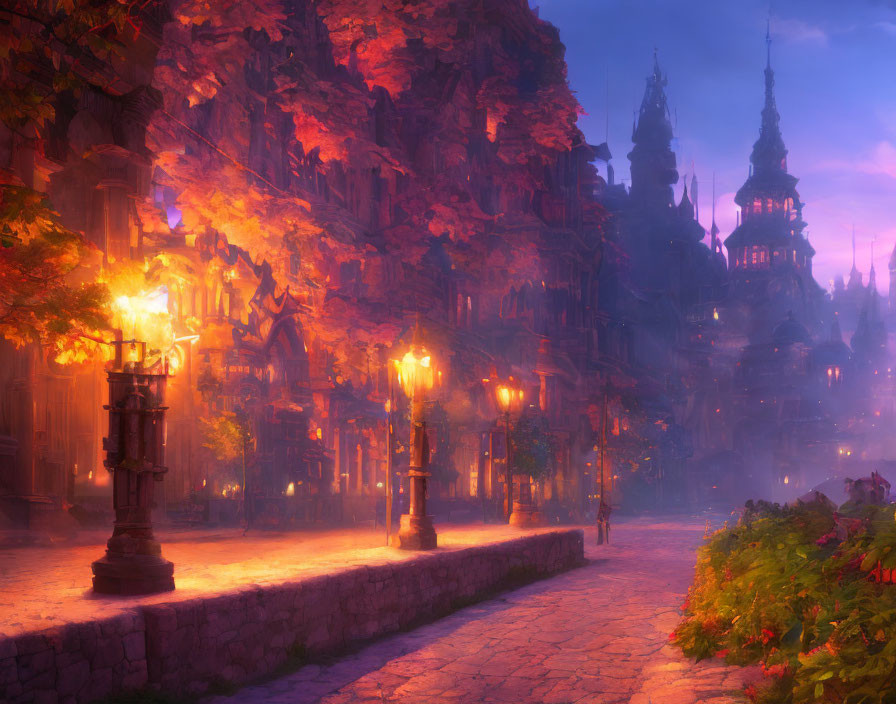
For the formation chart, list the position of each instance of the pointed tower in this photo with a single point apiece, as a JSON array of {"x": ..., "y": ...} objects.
[
  {"x": 872, "y": 277},
  {"x": 769, "y": 153},
  {"x": 653, "y": 166},
  {"x": 694, "y": 194},
  {"x": 854, "y": 283},
  {"x": 715, "y": 244},
  {"x": 769, "y": 242},
  {"x": 892, "y": 268},
  {"x": 686, "y": 206}
]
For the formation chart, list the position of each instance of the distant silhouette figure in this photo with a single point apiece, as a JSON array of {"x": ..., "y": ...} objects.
[{"x": 603, "y": 523}]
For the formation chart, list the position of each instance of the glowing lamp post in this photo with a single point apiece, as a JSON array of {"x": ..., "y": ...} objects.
[
  {"x": 135, "y": 454},
  {"x": 504, "y": 395},
  {"x": 515, "y": 512},
  {"x": 417, "y": 376}
]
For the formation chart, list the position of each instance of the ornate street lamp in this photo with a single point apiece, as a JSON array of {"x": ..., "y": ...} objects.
[
  {"x": 135, "y": 454},
  {"x": 417, "y": 376},
  {"x": 508, "y": 397}
]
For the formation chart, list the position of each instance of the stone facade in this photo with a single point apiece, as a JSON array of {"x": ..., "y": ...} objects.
[{"x": 192, "y": 646}]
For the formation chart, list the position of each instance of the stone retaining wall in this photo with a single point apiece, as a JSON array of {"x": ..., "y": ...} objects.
[{"x": 190, "y": 646}]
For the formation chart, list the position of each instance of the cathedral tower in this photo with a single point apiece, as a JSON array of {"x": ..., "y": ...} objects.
[
  {"x": 653, "y": 167},
  {"x": 769, "y": 257},
  {"x": 892, "y": 292}
]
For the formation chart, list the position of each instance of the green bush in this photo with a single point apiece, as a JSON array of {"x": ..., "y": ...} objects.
[{"x": 789, "y": 588}]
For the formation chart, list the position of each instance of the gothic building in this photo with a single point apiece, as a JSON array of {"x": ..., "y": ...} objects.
[
  {"x": 667, "y": 262},
  {"x": 748, "y": 351},
  {"x": 769, "y": 256}
]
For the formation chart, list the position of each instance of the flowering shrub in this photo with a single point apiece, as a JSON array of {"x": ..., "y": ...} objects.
[{"x": 793, "y": 589}]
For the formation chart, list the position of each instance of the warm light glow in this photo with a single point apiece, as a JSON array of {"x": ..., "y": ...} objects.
[
  {"x": 320, "y": 433},
  {"x": 416, "y": 372},
  {"x": 503, "y": 396},
  {"x": 786, "y": 479},
  {"x": 715, "y": 313},
  {"x": 144, "y": 316},
  {"x": 291, "y": 489}
]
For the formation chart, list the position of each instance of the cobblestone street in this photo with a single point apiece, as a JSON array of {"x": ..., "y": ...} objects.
[{"x": 598, "y": 634}]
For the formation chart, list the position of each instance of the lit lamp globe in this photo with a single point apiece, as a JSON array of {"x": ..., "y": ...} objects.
[
  {"x": 508, "y": 398},
  {"x": 417, "y": 376},
  {"x": 415, "y": 372}
]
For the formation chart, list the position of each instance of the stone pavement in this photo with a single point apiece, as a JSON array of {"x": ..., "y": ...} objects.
[
  {"x": 595, "y": 635},
  {"x": 43, "y": 587}
]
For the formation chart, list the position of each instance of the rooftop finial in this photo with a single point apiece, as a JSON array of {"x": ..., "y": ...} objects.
[{"x": 768, "y": 41}]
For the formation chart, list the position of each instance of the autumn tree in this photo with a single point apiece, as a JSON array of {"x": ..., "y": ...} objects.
[
  {"x": 41, "y": 262},
  {"x": 46, "y": 295},
  {"x": 228, "y": 436}
]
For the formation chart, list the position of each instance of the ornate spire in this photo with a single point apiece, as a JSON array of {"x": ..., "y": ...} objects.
[
  {"x": 872, "y": 276},
  {"x": 855, "y": 276},
  {"x": 654, "y": 104},
  {"x": 715, "y": 243},
  {"x": 686, "y": 206},
  {"x": 769, "y": 152},
  {"x": 694, "y": 193},
  {"x": 653, "y": 166}
]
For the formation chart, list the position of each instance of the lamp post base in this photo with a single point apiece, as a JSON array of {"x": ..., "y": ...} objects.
[
  {"x": 415, "y": 533},
  {"x": 526, "y": 516},
  {"x": 131, "y": 575}
]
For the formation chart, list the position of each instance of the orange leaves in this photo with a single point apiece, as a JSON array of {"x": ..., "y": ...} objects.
[
  {"x": 346, "y": 190},
  {"x": 234, "y": 15},
  {"x": 374, "y": 37},
  {"x": 46, "y": 296},
  {"x": 328, "y": 116},
  {"x": 205, "y": 49}
]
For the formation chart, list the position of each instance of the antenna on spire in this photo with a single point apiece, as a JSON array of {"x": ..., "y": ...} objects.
[
  {"x": 768, "y": 41},
  {"x": 853, "y": 246}
]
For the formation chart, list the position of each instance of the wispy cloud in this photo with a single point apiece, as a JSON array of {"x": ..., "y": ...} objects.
[
  {"x": 886, "y": 26},
  {"x": 880, "y": 161},
  {"x": 791, "y": 29}
]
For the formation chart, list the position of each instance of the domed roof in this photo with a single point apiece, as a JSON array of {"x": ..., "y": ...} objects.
[{"x": 790, "y": 332}]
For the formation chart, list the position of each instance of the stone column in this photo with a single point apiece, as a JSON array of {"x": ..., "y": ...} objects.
[
  {"x": 135, "y": 454},
  {"x": 416, "y": 531}
]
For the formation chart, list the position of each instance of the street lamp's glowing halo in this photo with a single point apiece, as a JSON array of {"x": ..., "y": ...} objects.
[{"x": 416, "y": 372}]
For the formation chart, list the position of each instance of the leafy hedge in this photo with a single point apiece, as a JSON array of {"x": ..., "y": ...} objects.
[{"x": 790, "y": 588}]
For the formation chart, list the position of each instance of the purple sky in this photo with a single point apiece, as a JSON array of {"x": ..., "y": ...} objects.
[{"x": 835, "y": 74}]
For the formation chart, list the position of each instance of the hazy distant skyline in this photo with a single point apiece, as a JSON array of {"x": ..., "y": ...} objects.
[{"x": 835, "y": 85}]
